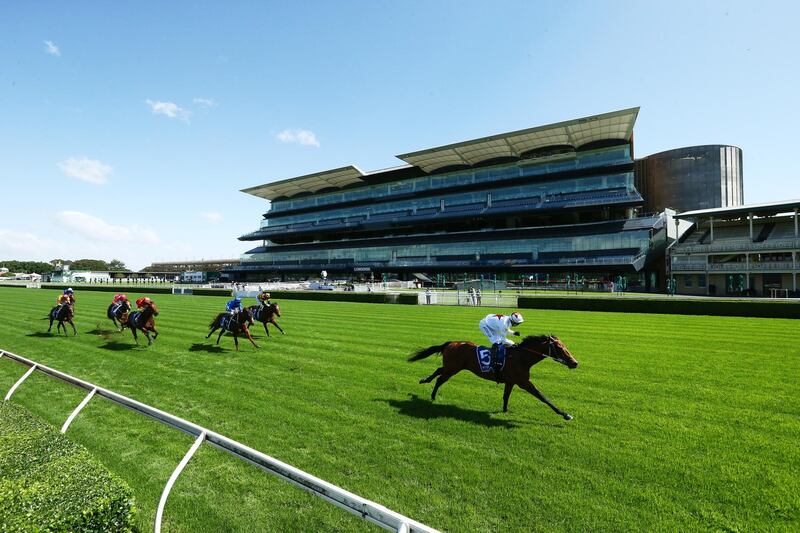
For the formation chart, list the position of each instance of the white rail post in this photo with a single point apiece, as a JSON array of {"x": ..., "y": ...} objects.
[
  {"x": 19, "y": 382},
  {"x": 168, "y": 487},
  {"x": 77, "y": 410}
]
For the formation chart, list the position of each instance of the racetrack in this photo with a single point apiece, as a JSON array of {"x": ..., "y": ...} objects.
[{"x": 681, "y": 422}]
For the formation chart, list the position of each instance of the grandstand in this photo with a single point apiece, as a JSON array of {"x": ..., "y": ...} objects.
[
  {"x": 746, "y": 250},
  {"x": 551, "y": 199}
]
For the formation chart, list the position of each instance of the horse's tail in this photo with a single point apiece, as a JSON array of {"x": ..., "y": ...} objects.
[
  {"x": 215, "y": 321},
  {"x": 427, "y": 352}
]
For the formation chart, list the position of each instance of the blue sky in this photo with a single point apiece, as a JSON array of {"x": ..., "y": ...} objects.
[{"x": 127, "y": 130}]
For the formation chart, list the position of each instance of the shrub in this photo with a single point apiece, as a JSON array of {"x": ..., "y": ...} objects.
[
  {"x": 13, "y": 285},
  {"x": 49, "y": 483},
  {"x": 144, "y": 289},
  {"x": 211, "y": 292},
  {"x": 751, "y": 308},
  {"x": 331, "y": 296}
]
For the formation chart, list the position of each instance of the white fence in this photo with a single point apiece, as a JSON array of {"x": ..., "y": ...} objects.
[
  {"x": 495, "y": 299},
  {"x": 366, "y": 509}
]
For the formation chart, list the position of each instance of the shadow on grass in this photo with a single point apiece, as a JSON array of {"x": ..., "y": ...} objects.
[
  {"x": 210, "y": 348},
  {"x": 41, "y": 334},
  {"x": 116, "y": 346},
  {"x": 102, "y": 332},
  {"x": 417, "y": 407}
]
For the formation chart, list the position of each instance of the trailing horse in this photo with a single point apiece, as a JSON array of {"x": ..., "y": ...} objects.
[
  {"x": 266, "y": 315},
  {"x": 142, "y": 319},
  {"x": 62, "y": 313},
  {"x": 236, "y": 324},
  {"x": 119, "y": 312},
  {"x": 462, "y": 355}
]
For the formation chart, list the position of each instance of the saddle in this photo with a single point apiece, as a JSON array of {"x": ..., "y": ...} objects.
[{"x": 484, "y": 355}]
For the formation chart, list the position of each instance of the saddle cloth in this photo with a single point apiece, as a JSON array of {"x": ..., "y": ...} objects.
[
  {"x": 135, "y": 318},
  {"x": 484, "y": 355}
]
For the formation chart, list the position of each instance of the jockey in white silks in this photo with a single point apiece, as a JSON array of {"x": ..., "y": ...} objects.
[{"x": 497, "y": 328}]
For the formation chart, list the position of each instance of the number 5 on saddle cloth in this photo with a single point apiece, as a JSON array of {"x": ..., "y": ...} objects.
[{"x": 484, "y": 354}]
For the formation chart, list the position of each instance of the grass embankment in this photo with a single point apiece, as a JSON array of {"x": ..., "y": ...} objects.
[{"x": 681, "y": 422}]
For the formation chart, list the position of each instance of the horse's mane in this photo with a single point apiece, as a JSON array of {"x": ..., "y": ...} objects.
[{"x": 535, "y": 338}]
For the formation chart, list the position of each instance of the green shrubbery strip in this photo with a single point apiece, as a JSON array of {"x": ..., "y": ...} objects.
[
  {"x": 13, "y": 285},
  {"x": 49, "y": 483},
  {"x": 113, "y": 288},
  {"x": 666, "y": 306},
  {"x": 211, "y": 292},
  {"x": 336, "y": 296}
]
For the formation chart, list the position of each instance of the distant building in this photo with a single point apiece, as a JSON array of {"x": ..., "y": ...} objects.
[
  {"x": 745, "y": 250},
  {"x": 549, "y": 200},
  {"x": 205, "y": 265}
]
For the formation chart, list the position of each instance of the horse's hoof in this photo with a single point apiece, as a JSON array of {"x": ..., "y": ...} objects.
[
  {"x": 421, "y": 381},
  {"x": 567, "y": 417}
]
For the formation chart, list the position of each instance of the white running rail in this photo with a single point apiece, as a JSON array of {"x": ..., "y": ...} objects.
[{"x": 366, "y": 509}]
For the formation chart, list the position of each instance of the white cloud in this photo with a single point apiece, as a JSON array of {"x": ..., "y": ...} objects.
[
  {"x": 20, "y": 245},
  {"x": 303, "y": 137},
  {"x": 205, "y": 103},
  {"x": 86, "y": 169},
  {"x": 211, "y": 216},
  {"x": 97, "y": 229},
  {"x": 51, "y": 48},
  {"x": 169, "y": 109}
]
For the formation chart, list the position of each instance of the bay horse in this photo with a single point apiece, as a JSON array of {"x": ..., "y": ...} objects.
[
  {"x": 142, "y": 319},
  {"x": 119, "y": 312},
  {"x": 461, "y": 355},
  {"x": 266, "y": 315},
  {"x": 62, "y": 313},
  {"x": 237, "y": 324}
]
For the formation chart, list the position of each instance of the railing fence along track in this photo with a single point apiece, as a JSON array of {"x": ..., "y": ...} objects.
[{"x": 366, "y": 509}]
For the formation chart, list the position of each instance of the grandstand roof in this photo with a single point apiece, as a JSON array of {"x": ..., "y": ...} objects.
[
  {"x": 769, "y": 208},
  {"x": 617, "y": 125}
]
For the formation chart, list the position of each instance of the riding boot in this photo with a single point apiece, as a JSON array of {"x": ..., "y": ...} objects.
[{"x": 496, "y": 365}]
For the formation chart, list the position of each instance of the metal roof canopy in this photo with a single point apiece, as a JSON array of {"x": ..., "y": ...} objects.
[
  {"x": 338, "y": 177},
  {"x": 768, "y": 208},
  {"x": 576, "y": 133}
]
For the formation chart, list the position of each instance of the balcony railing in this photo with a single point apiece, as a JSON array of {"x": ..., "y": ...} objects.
[
  {"x": 737, "y": 266},
  {"x": 688, "y": 266},
  {"x": 740, "y": 246}
]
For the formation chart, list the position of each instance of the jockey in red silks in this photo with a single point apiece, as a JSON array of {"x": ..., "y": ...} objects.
[
  {"x": 141, "y": 302},
  {"x": 497, "y": 328}
]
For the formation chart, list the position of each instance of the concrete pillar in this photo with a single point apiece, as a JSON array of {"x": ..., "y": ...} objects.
[
  {"x": 711, "y": 223},
  {"x": 795, "y": 224},
  {"x": 750, "y": 218},
  {"x": 708, "y": 278}
]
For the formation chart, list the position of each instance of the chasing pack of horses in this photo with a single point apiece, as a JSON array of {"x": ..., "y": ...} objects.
[{"x": 143, "y": 320}]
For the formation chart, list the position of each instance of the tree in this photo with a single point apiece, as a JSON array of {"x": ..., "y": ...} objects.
[
  {"x": 27, "y": 266},
  {"x": 116, "y": 264},
  {"x": 89, "y": 264}
]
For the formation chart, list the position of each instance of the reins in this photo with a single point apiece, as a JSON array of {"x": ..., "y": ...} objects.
[{"x": 548, "y": 355}]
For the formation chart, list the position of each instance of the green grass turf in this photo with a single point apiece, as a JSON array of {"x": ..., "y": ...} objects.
[{"x": 681, "y": 422}]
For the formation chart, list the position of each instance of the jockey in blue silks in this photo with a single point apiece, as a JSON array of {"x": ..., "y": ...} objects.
[{"x": 234, "y": 307}]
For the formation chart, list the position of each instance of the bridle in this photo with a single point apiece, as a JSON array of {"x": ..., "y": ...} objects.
[{"x": 549, "y": 354}]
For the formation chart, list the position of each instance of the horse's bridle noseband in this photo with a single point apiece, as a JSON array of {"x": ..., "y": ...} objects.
[{"x": 549, "y": 354}]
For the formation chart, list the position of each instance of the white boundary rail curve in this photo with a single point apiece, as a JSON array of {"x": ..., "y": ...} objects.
[{"x": 366, "y": 509}]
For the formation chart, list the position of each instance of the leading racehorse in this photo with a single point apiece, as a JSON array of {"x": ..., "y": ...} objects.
[
  {"x": 142, "y": 319},
  {"x": 62, "y": 313},
  {"x": 236, "y": 324},
  {"x": 461, "y": 355},
  {"x": 266, "y": 315}
]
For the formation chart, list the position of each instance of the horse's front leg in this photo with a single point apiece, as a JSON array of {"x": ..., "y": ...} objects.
[
  {"x": 277, "y": 326},
  {"x": 247, "y": 332},
  {"x": 533, "y": 390},
  {"x": 506, "y": 395},
  {"x": 74, "y": 331},
  {"x": 266, "y": 328},
  {"x": 236, "y": 341},
  {"x": 147, "y": 334},
  {"x": 135, "y": 335}
]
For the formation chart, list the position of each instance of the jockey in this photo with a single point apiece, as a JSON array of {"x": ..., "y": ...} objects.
[
  {"x": 119, "y": 301},
  {"x": 70, "y": 294},
  {"x": 141, "y": 302},
  {"x": 234, "y": 306},
  {"x": 63, "y": 299},
  {"x": 263, "y": 297},
  {"x": 497, "y": 328}
]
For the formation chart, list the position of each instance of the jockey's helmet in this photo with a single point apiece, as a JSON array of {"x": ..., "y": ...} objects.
[
  {"x": 68, "y": 291},
  {"x": 139, "y": 302},
  {"x": 516, "y": 318}
]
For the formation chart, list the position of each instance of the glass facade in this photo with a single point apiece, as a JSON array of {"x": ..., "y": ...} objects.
[
  {"x": 523, "y": 168},
  {"x": 697, "y": 177}
]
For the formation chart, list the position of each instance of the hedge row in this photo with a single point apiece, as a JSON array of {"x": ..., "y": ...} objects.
[
  {"x": 49, "y": 483},
  {"x": 336, "y": 296},
  {"x": 211, "y": 292},
  {"x": 666, "y": 306},
  {"x": 13, "y": 285},
  {"x": 113, "y": 288}
]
